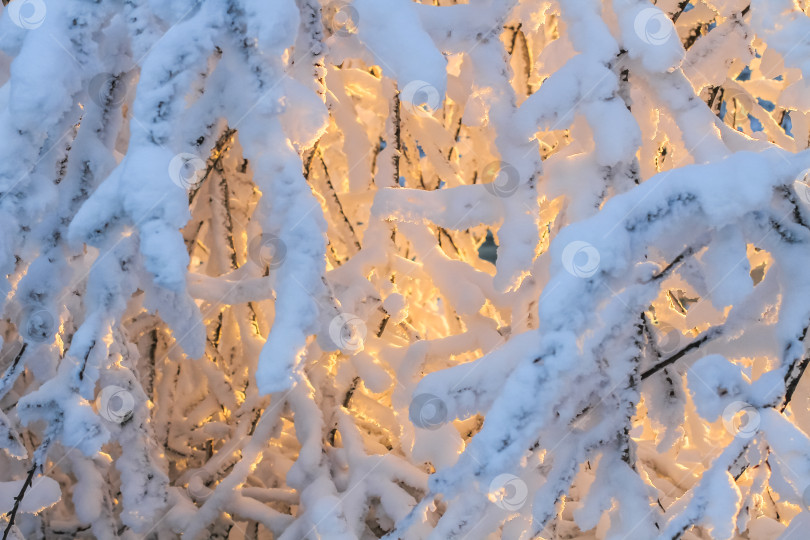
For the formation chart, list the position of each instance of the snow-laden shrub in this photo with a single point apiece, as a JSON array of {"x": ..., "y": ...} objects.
[{"x": 248, "y": 280}]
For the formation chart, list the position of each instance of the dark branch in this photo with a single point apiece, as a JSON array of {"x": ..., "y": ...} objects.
[
  {"x": 708, "y": 335},
  {"x": 12, "y": 514}
]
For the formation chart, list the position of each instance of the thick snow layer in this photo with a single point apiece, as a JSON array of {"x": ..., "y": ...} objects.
[
  {"x": 43, "y": 493},
  {"x": 244, "y": 291}
]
